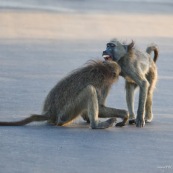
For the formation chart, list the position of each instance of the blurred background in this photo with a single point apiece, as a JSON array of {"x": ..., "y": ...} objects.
[{"x": 85, "y": 19}]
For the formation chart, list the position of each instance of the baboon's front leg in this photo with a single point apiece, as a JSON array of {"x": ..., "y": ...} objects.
[
  {"x": 130, "y": 89},
  {"x": 142, "y": 82},
  {"x": 107, "y": 112}
]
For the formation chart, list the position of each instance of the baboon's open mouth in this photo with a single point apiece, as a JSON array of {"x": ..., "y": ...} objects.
[{"x": 107, "y": 57}]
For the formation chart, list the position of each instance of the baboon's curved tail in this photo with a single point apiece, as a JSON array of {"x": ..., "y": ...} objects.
[
  {"x": 25, "y": 121},
  {"x": 154, "y": 48}
]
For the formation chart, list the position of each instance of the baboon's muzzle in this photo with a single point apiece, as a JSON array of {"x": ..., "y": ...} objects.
[{"x": 107, "y": 56}]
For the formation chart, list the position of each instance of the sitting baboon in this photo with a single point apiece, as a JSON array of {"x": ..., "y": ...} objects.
[
  {"x": 138, "y": 69},
  {"x": 84, "y": 90}
]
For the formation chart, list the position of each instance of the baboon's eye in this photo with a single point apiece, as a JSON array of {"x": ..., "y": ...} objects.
[
  {"x": 108, "y": 45},
  {"x": 112, "y": 45}
]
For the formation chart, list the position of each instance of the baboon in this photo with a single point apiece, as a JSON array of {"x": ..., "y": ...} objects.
[
  {"x": 138, "y": 69},
  {"x": 84, "y": 90}
]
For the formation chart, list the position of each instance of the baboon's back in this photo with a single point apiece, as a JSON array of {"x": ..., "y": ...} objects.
[{"x": 69, "y": 87}]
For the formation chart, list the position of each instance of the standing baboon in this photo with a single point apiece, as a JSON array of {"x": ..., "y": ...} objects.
[
  {"x": 138, "y": 69},
  {"x": 84, "y": 90}
]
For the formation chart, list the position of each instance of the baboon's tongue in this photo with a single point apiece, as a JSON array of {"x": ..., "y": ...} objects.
[{"x": 107, "y": 57}]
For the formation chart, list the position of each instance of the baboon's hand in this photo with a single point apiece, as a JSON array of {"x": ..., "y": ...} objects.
[
  {"x": 123, "y": 123},
  {"x": 140, "y": 122}
]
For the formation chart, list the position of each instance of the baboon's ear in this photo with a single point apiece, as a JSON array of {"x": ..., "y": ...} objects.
[{"x": 130, "y": 46}]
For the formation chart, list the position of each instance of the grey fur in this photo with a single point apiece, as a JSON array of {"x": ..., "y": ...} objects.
[
  {"x": 84, "y": 90},
  {"x": 138, "y": 69}
]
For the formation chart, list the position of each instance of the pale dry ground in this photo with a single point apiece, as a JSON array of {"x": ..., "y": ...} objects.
[{"x": 72, "y": 26}]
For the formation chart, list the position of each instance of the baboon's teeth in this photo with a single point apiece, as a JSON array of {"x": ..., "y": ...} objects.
[{"x": 106, "y": 56}]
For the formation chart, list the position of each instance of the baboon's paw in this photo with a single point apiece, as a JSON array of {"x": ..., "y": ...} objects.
[
  {"x": 105, "y": 124},
  {"x": 148, "y": 120},
  {"x": 120, "y": 124},
  {"x": 132, "y": 121},
  {"x": 140, "y": 123}
]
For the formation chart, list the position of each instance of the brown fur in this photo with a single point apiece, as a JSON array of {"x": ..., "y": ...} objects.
[
  {"x": 138, "y": 69},
  {"x": 84, "y": 90}
]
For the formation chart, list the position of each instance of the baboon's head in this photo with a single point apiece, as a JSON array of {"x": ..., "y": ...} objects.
[
  {"x": 107, "y": 69},
  {"x": 115, "y": 50},
  {"x": 113, "y": 70}
]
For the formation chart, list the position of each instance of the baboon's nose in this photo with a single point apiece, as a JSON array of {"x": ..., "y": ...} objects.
[{"x": 104, "y": 53}]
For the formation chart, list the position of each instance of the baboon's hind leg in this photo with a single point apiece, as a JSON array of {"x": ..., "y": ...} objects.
[
  {"x": 152, "y": 79},
  {"x": 107, "y": 112},
  {"x": 86, "y": 101}
]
